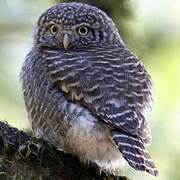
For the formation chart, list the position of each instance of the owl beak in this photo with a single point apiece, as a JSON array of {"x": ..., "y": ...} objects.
[{"x": 66, "y": 41}]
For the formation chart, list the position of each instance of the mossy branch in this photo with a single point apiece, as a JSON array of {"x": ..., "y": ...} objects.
[{"x": 27, "y": 158}]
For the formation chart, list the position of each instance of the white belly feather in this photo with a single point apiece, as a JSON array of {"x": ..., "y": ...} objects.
[{"x": 91, "y": 141}]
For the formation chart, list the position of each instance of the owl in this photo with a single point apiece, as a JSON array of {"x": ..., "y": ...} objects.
[{"x": 85, "y": 91}]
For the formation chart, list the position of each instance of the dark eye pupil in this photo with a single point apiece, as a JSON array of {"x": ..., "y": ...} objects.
[
  {"x": 83, "y": 30},
  {"x": 54, "y": 29}
]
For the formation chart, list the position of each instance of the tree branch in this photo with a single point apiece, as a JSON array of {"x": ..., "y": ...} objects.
[{"x": 27, "y": 158}]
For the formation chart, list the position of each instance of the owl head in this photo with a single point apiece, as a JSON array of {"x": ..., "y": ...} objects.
[{"x": 75, "y": 25}]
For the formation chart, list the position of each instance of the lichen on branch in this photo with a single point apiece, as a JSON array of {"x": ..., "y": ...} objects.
[{"x": 23, "y": 157}]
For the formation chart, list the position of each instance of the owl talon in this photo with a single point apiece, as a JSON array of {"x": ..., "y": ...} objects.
[{"x": 29, "y": 149}]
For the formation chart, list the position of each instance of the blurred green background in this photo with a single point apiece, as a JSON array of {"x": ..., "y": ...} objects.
[{"x": 150, "y": 28}]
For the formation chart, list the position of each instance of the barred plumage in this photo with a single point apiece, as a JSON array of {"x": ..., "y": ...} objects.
[{"x": 88, "y": 99}]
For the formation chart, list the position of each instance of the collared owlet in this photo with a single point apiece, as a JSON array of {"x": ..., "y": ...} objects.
[{"x": 85, "y": 91}]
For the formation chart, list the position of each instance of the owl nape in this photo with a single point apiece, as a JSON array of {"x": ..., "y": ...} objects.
[{"x": 85, "y": 91}]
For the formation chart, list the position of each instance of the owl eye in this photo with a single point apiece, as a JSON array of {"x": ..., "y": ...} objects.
[
  {"x": 83, "y": 30},
  {"x": 53, "y": 29}
]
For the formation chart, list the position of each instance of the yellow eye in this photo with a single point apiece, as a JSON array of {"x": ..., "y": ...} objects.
[
  {"x": 54, "y": 29},
  {"x": 83, "y": 30}
]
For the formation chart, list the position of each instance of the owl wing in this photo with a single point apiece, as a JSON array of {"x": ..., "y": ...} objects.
[{"x": 116, "y": 88}]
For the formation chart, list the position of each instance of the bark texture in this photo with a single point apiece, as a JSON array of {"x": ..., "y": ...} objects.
[{"x": 23, "y": 157}]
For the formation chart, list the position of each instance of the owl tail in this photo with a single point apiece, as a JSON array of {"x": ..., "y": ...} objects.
[{"x": 134, "y": 152}]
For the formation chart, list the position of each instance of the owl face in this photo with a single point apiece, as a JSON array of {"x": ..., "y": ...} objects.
[{"x": 75, "y": 25}]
